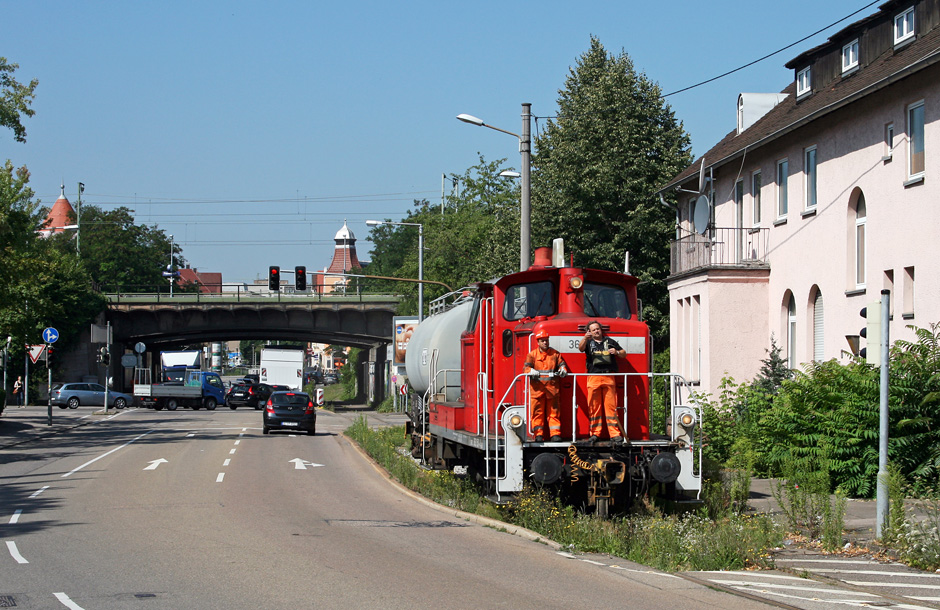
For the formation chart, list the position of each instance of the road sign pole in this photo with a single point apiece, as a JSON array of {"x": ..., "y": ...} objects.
[{"x": 48, "y": 388}]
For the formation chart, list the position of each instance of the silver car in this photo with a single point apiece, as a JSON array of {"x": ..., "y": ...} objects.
[{"x": 71, "y": 395}]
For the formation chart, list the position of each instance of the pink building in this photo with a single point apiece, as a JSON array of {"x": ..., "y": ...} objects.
[{"x": 824, "y": 195}]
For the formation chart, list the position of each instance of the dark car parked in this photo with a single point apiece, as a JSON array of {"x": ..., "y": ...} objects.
[
  {"x": 290, "y": 411},
  {"x": 248, "y": 395}
]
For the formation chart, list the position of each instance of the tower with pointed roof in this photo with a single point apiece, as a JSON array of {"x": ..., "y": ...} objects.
[
  {"x": 344, "y": 260},
  {"x": 59, "y": 217}
]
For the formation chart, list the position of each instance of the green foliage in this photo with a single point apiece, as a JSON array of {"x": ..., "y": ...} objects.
[
  {"x": 597, "y": 168},
  {"x": 120, "y": 254},
  {"x": 42, "y": 285},
  {"x": 476, "y": 238},
  {"x": 15, "y": 100},
  {"x": 347, "y": 374},
  {"x": 773, "y": 371}
]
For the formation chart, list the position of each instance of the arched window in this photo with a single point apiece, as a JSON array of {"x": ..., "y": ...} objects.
[
  {"x": 819, "y": 352},
  {"x": 860, "y": 216},
  {"x": 791, "y": 332}
]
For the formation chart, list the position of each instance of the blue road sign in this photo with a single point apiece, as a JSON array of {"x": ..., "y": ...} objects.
[{"x": 50, "y": 335}]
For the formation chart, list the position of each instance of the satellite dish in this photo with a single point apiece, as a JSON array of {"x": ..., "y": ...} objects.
[
  {"x": 701, "y": 176},
  {"x": 701, "y": 214}
]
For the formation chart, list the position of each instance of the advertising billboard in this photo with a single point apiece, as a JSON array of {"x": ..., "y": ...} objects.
[{"x": 404, "y": 326}]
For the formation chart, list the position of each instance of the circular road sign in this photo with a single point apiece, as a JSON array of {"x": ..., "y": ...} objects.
[
  {"x": 50, "y": 335},
  {"x": 128, "y": 361},
  {"x": 140, "y": 348}
]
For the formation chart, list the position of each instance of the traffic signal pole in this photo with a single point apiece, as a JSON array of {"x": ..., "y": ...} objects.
[{"x": 881, "y": 515}]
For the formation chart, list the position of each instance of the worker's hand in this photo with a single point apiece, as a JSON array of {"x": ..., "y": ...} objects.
[
  {"x": 562, "y": 372},
  {"x": 533, "y": 373},
  {"x": 612, "y": 351}
]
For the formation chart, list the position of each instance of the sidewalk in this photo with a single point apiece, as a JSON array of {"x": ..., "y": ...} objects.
[{"x": 23, "y": 424}]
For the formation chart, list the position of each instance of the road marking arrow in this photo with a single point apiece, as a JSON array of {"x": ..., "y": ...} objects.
[
  {"x": 299, "y": 464},
  {"x": 155, "y": 463}
]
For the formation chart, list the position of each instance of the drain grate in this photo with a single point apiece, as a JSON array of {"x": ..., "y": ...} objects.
[{"x": 7, "y": 601}]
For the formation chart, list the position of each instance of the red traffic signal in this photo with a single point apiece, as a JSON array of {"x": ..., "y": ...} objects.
[
  {"x": 300, "y": 278},
  {"x": 274, "y": 277}
]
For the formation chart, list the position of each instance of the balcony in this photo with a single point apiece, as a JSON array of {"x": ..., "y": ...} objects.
[{"x": 719, "y": 248}]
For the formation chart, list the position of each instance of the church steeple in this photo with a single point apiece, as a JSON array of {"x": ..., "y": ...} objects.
[{"x": 344, "y": 254}]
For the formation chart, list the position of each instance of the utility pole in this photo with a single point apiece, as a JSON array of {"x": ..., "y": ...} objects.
[
  {"x": 78, "y": 223},
  {"x": 882, "y": 487}
]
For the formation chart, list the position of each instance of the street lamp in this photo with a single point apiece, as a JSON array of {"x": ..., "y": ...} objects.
[
  {"x": 525, "y": 149},
  {"x": 169, "y": 267},
  {"x": 375, "y": 223}
]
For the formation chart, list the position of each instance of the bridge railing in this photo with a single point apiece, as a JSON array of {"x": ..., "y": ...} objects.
[{"x": 219, "y": 293}]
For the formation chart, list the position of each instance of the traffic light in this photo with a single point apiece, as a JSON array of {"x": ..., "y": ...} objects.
[
  {"x": 48, "y": 356},
  {"x": 274, "y": 277},
  {"x": 300, "y": 278},
  {"x": 104, "y": 357},
  {"x": 871, "y": 333}
]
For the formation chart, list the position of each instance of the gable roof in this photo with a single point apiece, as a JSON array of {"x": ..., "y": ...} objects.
[{"x": 888, "y": 68}]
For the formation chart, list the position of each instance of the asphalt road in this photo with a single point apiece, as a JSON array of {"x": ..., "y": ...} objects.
[{"x": 94, "y": 518}]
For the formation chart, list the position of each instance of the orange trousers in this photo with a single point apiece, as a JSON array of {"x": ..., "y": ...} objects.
[
  {"x": 545, "y": 411},
  {"x": 602, "y": 405}
]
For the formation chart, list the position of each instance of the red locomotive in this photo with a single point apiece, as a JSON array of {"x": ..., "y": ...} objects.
[{"x": 470, "y": 406}]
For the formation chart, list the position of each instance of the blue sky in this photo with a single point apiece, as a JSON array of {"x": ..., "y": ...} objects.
[{"x": 251, "y": 130}]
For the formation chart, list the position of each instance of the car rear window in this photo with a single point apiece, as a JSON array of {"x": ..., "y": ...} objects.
[{"x": 289, "y": 399}]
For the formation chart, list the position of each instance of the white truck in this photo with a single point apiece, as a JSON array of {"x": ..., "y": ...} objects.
[
  {"x": 175, "y": 365},
  {"x": 283, "y": 366}
]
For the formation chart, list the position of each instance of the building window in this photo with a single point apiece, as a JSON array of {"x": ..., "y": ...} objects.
[
  {"x": 860, "y": 216},
  {"x": 850, "y": 56},
  {"x": 791, "y": 333},
  {"x": 803, "y": 85},
  {"x": 809, "y": 169},
  {"x": 755, "y": 198},
  {"x": 783, "y": 171},
  {"x": 915, "y": 131},
  {"x": 904, "y": 26},
  {"x": 819, "y": 352},
  {"x": 889, "y": 141}
]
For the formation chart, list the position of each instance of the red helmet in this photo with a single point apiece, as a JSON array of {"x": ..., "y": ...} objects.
[{"x": 542, "y": 334}]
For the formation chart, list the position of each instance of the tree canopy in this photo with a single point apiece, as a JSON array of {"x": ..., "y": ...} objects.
[
  {"x": 15, "y": 100},
  {"x": 596, "y": 169}
]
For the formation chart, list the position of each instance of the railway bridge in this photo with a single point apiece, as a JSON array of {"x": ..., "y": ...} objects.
[{"x": 163, "y": 322}]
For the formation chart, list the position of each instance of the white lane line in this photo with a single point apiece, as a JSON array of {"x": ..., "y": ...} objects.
[
  {"x": 191, "y": 435},
  {"x": 39, "y": 491},
  {"x": 67, "y": 602},
  {"x": 876, "y": 573},
  {"x": 745, "y": 584},
  {"x": 236, "y": 442},
  {"x": 244, "y": 429},
  {"x": 755, "y": 574},
  {"x": 895, "y": 585},
  {"x": 16, "y": 515},
  {"x": 219, "y": 478},
  {"x": 89, "y": 462},
  {"x": 11, "y": 546},
  {"x": 226, "y": 462},
  {"x": 231, "y": 452}
]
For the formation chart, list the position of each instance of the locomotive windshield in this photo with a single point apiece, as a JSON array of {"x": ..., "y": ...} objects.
[
  {"x": 605, "y": 301},
  {"x": 529, "y": 300}
]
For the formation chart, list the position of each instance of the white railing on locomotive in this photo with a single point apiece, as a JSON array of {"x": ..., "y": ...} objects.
[
  {"x": 441, "y": 389},
  {"x": 450, "y": 300}
]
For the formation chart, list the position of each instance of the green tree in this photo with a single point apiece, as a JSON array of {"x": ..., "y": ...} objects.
[
  {"x": 475, "y": 238},
  {"x": 117, "y": 252},
  {"x": 596, "y": 169},
  {"x": 15, "y": 100},
  {"x": 42, "y": 285}
]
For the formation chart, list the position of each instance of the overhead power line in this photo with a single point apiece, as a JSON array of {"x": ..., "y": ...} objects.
[{"x": 749, "y": 64}]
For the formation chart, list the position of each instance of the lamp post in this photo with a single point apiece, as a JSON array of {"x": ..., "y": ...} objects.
[
  {"x": 375, "y": 223},
  {"x": 525, "y": 149},
  {"x": 169, "y": 267}
]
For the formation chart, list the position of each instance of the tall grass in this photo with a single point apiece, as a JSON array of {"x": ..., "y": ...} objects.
[{"x": 668, "y": 542}]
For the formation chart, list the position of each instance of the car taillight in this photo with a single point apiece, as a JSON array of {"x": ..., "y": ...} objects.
[{"x": 310, "y": 408}]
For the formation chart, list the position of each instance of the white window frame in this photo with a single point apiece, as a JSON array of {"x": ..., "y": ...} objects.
[
  {"x": 803, "y": 81},
  {"x": 756, "y": 186},
  {"x": 861, "y": 242},
  {"x": 916, "y": 138},
  {"x": 850, "y": 56},
  {"x": 791, "y": 333},
  {"x": 889, "y": 141},
  {"x": 904, "y": 26},
  {"x": 783, "y": 204},
  {"x": 810, "y": 180}
]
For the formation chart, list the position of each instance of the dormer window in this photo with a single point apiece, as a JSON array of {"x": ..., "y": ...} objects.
[
  {"x": 904, "y": 26},
  {"x": 850, "y": 56},
  {"x": 803, "y": 85}
]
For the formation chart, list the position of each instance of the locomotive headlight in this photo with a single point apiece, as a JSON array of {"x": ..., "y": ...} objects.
[
  {"x": 515, "y": 421},
  {"x": 575, "y": 281},
  {"x": 686, "y": 418}
]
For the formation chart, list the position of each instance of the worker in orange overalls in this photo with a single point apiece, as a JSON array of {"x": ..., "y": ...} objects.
[
  {"x": 545, "y": 366},
  {"x": 601, "y": 353}
]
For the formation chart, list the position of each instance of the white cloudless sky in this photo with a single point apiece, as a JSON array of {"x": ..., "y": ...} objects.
[{"x": 250, "y": 131}]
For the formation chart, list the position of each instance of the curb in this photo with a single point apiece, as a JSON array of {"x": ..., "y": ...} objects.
[{"x": 478, "y": 519}]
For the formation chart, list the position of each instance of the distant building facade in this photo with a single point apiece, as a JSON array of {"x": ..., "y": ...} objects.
[
  {"x": 345, "y": 260},
  {"x": 824, "y": 195}
]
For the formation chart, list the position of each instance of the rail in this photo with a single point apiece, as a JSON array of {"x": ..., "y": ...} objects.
[{"x": 236, "y": 293}]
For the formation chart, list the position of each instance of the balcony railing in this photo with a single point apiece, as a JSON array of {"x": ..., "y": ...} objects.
[{"x": 719, "y": 247}]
